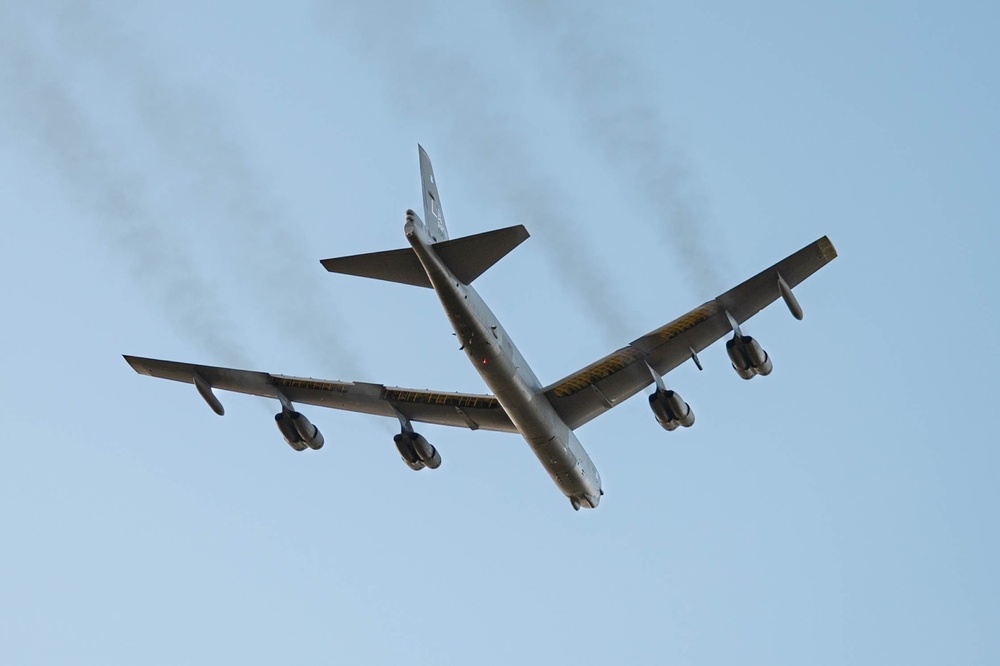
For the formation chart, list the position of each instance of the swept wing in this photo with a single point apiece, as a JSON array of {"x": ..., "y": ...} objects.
[
  {"x": 595, "y": 389},
  {"x": 463, "y": 410}
]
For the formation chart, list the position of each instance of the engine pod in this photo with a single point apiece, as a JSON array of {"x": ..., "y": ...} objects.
[
  {"x": 681, "y": 410},
  {"x": 288, "y": 431},
  {"x": 425, "y": 451},
  {"x": 406, "y": 452},
  {"x": 309, "y": 433}
]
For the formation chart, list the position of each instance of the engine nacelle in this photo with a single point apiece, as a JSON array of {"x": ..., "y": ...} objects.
[
  {"x": 309, "y": 433},
  {"x": 298, "y": 431},
  {"x": 747, "y": 356},
  {"x": 288, "y": 431},
  {"x": 670, "y": 410},
  {"x": 416, "y": 451},
  {"x": 757, "y": 356},
  {"x": 425, "y": 451},
  {"x": 405, "y": 447}
]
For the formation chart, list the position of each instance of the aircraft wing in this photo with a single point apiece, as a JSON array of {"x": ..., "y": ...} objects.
[
  {"x": 451, "y": 409},
  {"x": 603, "y": 384}
]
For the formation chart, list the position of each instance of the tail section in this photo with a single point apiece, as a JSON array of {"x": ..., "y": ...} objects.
[
  {"x": 392, "y": 266},
  {"x": 471, "y": 256},
  {"x": 467, "y": 257},
  {"x": 432, "y": 200}
]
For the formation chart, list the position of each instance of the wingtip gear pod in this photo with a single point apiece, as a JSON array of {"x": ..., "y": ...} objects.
[
  {"x": 205, "y": 389},
  {"x": 789, "y": 298}
]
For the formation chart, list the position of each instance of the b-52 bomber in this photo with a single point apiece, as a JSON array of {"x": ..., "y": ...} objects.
[{"x": 544, "y": 415}]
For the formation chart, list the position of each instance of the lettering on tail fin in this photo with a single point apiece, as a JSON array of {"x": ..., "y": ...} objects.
[{"x": 433, "y": 214}]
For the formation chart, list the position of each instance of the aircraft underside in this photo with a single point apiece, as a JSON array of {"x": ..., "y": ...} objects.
[{"x": 544, "y": 415}]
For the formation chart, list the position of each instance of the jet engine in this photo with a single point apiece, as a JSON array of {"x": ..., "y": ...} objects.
[
  {"x": 298, "y": 431},
  {"x": 416, "y": 451},
  {"x": 670, "y": 410},
  {"x": 747, "y": 356},
  {"x": 406, "y": 452}
]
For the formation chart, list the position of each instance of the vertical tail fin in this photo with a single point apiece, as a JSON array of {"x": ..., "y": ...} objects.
[{"x": 433, "y": 214}]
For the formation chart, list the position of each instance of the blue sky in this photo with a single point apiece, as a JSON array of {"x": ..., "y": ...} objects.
[{"x": 170, "y": 176}]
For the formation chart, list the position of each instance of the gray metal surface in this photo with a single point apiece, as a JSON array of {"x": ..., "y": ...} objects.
[
  {"x": 593, "y": 390},
  {"x": 467, "y": 258},
  {"x": 544, "y": 416},
  {"x": 463, "y": 410},
  {"x": 515, "y": 386}
]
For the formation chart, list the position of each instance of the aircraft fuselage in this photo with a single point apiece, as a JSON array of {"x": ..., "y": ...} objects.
[{"x": 505, "y": 371}]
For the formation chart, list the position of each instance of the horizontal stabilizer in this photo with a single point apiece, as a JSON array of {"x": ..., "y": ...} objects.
[
  {"x": 470, "y": 256},
  {"x": 467, "y": 257},
  {"x": 392, "y": 266}
]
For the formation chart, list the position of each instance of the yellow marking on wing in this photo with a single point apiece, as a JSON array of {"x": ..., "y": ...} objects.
[
  {"x": 609, "y": 366},
  {"x": 309, "y": 384},
  {"x": 629, "y": 355},
  {"x": 688, "y": 321},
  {"x": 445, "y": 399}
]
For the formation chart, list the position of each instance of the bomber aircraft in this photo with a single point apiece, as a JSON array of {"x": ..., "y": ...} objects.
[{"x": 545, "y": 415}]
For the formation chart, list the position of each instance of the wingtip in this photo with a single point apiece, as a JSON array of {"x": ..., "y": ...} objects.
[
  {"x": 136, "y": 364},
  {"x": 827, "y": 249}
]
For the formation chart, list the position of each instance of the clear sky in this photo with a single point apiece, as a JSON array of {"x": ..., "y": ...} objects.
[{"x": 172, "y": 173}]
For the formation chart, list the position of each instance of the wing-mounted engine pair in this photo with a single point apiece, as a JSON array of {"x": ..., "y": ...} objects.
[
  {"x": 298, "y": 431},
  {"x": 416, "y": 451},
  {"x": 746, "y": 354},
  {"x": 670, "y": 410},
  {"x": 748, "y": 359},
  {"x": 668, "y": 407}
]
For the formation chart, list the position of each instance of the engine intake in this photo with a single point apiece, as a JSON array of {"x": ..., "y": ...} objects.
[
  {"x": 298, "y": 431},
  {"x": 747, "y": 357},
  {"x": 670, "y": 410}
]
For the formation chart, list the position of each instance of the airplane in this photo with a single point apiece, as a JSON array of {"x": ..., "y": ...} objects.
[{"x": 546, "y": 416}]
